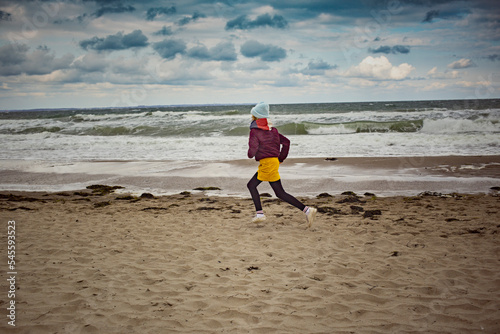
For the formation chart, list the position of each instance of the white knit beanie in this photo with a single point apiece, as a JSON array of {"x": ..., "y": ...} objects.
[{"x": 261, "y": 110}]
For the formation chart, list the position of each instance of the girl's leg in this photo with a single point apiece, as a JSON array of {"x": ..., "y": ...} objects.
[
  {"x": 252, "y": 187},
  {"x": 282, "y": 194}
]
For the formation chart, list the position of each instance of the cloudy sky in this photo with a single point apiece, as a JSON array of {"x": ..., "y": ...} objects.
[{"x": 101, "y": 53}]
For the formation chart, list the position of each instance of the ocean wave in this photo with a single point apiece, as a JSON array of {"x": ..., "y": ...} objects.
[
  {"x": 213, "y": 126},
  {"x": 457, "y": 126},
  {"x": 37, "y": 129},
  {"x": 197, "y": 129},
  {"x": 302, "y": 120},
  {"x": 363, "y": 127},
  {"x": 311, "y": 128},
  {"x": 89, "y": 117}
]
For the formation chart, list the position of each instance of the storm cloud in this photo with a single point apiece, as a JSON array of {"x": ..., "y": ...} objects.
[
  {"x": 118, "y": 41},
  {"x": 16, "y": 60},
  {"x": 153, "y": 13},
  {"x": 493, "y": 57},
  {"x": 266, "y": 52},
  {"x": 224, "y": 51},
  {"x": 388, "y": 49},
  {"x": 169, "y": 48},
  {"x": 188, "y": 19},
  {"x": 113, "y": 10},
  {"x": 164, "y": 31},
  {"x": 317, "y": 67},
  {"x": 265, "y": 20},
  {"x": 4, "y": 16},
  {"x": 450, "y": 14}
]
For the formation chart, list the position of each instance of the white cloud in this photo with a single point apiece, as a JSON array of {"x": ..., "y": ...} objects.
[
  {"x": 360, "y": 82},
  {"x": 433, "y": 71},
  {"x": 264, "y": 10},
  {"x": 380, "y": 68},
  {"x": 473, "y": 84},
  {"x": 434, "y": 74},
  {"x": 60, "y": 76},
  {"x": 462, "y": 63},
  {"x": 183, "y": 72},
  {"x": 91, "y": 62},
  {"x": 434, "y": 86}
]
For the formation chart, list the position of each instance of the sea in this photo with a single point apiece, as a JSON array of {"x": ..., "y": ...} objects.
[{"x": 220, "y": 132}]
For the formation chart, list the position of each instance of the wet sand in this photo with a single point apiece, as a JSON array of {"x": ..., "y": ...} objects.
[{"x": 384, "y": 176}]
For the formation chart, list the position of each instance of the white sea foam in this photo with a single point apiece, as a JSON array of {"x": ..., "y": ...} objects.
[
  {"x": 54, "y": 146},
  {"x": 457, "y": 126}
]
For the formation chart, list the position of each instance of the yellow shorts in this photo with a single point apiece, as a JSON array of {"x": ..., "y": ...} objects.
[{"x": 268, "y": 170}]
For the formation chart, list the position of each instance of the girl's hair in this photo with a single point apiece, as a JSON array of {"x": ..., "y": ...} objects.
[{"x": 254, "y": 118}]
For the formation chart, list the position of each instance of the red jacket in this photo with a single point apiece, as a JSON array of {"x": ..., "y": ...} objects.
[{"x": 267, "y": 143}]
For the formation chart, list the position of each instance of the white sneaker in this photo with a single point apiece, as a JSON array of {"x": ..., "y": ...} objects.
[
  {"x": 258, "y": 219},
  {"x": 311, "y": 216}
]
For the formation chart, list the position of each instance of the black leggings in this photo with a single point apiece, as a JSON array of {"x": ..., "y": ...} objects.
[{"x": 278, "y": 190}]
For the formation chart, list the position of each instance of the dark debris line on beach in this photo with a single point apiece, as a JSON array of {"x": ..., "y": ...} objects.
[
  {"x": 98, "y": 190},
  {"x": 355, "y": 203},
  {"x": 349, "y": 197}
]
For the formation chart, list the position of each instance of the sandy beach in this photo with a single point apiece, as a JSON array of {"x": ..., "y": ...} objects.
[{"x": 103, "y": 260}]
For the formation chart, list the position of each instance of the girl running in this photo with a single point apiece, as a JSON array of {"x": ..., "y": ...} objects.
[{"x": 270, "y": 148}]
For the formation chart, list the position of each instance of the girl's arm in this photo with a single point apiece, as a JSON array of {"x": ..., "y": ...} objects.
[
  {"x": 285, "y": 147},
  {"x": 253, "y": 144}
]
